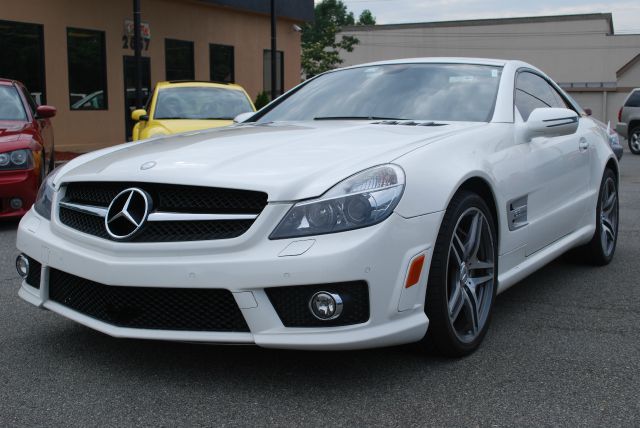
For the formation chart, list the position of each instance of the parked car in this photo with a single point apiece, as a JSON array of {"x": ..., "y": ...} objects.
[
  {"x": 180, "y": 106},
  {"x": 26, "y": 148},
  {"x": 370, "y": 206},
  {"x": 629, "y": 121}
]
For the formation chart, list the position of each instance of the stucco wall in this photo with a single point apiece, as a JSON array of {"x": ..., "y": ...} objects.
[{"x": 201, "y": 23}]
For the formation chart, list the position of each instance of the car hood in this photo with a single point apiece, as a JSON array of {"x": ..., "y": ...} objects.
[
  {"x": 12, "y": 130},
  {"x": 176, "y": 126},
  {"x": 288, "y": 160}
]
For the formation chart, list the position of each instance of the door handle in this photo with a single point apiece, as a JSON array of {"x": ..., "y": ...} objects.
[{"x": 583, "y": 145}]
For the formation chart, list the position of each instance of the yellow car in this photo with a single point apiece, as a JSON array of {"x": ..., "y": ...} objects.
[{"x": 187, "y": 106}]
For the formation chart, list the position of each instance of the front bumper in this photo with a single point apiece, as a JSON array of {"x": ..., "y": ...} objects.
[
  {"x": 21, "y": 184},
  {"x": 379, "y": 255}
]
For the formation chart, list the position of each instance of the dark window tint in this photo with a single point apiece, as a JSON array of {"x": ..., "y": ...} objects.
[
  {"x": 279, "y": 72},
  {"x": 179, "y": 60},
  {"x": 634, "y": 100},
  {"x": 30, "y": 101},
  {"x": 87, "y": 69},
  {"x": 221, "y": 61},
  {"x": 22, "y": 56},
  {"x": 533, "y": 92},
  {"x": 11, "y": 107}
]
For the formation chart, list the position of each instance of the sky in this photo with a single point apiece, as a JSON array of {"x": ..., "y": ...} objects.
[{"x": 626, "y": 14}]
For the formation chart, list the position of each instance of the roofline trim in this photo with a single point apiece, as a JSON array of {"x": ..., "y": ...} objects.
[
  {"x": 484, "y": 22},
  {"x": 627, "y": 66}
]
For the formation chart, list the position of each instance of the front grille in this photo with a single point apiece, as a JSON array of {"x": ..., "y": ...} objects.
[
  {"x": 166, "y": 198},
  {"x": 161, "y": 231},
  {"x": 184, "y": 309},
  {"x": 292, "y": 303},
  {"x": 172, "y": 197},
  {"x": 35, "y": 270}
]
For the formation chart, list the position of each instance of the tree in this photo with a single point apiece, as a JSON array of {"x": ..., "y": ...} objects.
[
  {"x": 366, "y": 18},
  {"x": 261, "y": 100},
  {"x": 320, "y": 46}
]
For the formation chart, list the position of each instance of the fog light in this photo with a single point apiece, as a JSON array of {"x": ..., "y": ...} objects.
[
  {"x": 16, "y": 203},
  {"x": 325, "y": 306},
  {"x": 22, "y": 265}
]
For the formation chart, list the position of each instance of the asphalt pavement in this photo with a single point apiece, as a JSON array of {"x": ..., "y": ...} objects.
[{"x": 563, "y": 350}]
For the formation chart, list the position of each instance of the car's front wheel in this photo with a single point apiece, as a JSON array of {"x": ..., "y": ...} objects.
[
  {"x": 634, "y": 140},
  {"x": 463, "y": 277}
]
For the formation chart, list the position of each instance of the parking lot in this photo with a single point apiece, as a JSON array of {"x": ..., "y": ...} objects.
[{"x": 563, "y": 349}]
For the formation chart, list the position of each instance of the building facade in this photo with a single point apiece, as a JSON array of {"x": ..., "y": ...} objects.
[
  {"x": 581, "y": 52},
  {"x": 78, "y": 55}
]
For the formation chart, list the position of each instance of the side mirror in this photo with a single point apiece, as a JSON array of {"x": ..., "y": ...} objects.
[
  {"x": 588, "y": 111},
  {"x": 550, "y": 122},
  {"x": 43, "y": 112},
  {"x": 139, "y": 114},
  {"x": 243, "y": 116}
]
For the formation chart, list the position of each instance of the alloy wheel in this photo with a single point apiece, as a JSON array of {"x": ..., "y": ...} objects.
[
  {"x": 608, "y": 216},
  {"x": 634, "y": 142},
  {"x": 470, "y": 275}
]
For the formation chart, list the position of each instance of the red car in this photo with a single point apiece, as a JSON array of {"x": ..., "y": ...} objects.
[{"x": 26, "y": 148}]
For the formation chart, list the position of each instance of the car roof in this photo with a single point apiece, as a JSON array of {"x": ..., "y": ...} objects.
[
  {"x": 198, "y": 84},
  {"x": 7, "y": 82},
  {"x": 440, "y": 60}
]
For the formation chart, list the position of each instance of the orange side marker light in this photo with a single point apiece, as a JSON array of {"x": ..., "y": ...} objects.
[{"x": 414, "y": 271}]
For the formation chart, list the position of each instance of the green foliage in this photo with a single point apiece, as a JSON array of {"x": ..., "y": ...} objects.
[
  {"x": 320, "y": 46},
  {"x": 366, "y": 18},
  {"x": 261, "y": 100}
]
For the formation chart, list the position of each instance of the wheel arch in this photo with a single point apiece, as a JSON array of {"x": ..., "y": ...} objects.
[
  {"x": 613, "y": 165},
  {"x": 632, "y": 124},
  {"x": 482, "y": 188}
]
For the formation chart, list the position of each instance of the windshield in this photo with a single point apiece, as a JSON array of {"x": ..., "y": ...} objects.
[
  {"x": 11, "y": 107},
  {"x": 200, "y": 103},
  {"x": 446, "y": 92}
]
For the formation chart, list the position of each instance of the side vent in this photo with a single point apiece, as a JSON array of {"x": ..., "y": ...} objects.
[{"x": 517, "y": 213}]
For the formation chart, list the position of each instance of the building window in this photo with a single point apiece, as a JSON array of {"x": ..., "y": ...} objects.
[
  {"x": 87, "y": 69},
  {"x": 279, "y": 72},
  {"x": 221, "y": 64},
  {"x": 178, "y": 56},
  {"x": 22, "y": 56}
]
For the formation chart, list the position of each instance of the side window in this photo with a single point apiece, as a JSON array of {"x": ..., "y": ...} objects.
[
  {"x": 32, "y": 104},
  {"x": 533, "y": 92},
  {"x": 634, "y": 100}
]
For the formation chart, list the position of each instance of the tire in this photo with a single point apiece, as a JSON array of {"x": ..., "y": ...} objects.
[
  {"x": 634, "y": 140},
  {"x": 600, "y": 250},
  {"x": 459, "y": 271}
]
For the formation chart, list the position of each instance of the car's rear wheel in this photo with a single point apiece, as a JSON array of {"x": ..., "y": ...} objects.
[
  {"x": 463, "y": 277},
  {"x": 602, "y": 247},
  {"x": 634, "y": 140}
]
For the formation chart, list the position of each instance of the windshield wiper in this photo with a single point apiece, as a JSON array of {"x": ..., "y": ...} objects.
[{"x": 355, "y": 118}]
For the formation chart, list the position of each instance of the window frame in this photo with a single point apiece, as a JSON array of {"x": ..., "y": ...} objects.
[
  {"x": 105, "y": 68},
  {"x": 42, "y": 68},
  {"x": 233, "y": 62},
  {"x": 268, "y": 89},
  {"x": 193, "y": 58}
]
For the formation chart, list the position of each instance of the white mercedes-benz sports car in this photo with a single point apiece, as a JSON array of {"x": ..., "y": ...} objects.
[{"x": 370, "y": 206}]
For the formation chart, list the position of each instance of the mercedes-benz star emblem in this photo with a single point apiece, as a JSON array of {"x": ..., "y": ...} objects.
[{"x": 127, "y": 213}]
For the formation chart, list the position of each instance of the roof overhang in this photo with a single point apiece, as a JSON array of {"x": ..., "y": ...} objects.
[{"x": 297, "y": 10}]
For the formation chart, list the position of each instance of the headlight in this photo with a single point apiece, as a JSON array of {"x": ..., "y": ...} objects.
[
  {"x": 45, "y": 196},
  {"x": 17, "y": 159},
  {"x": 361, "y": 200}
]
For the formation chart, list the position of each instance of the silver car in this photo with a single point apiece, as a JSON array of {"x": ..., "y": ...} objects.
[{"x": 629, "y": 121}]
